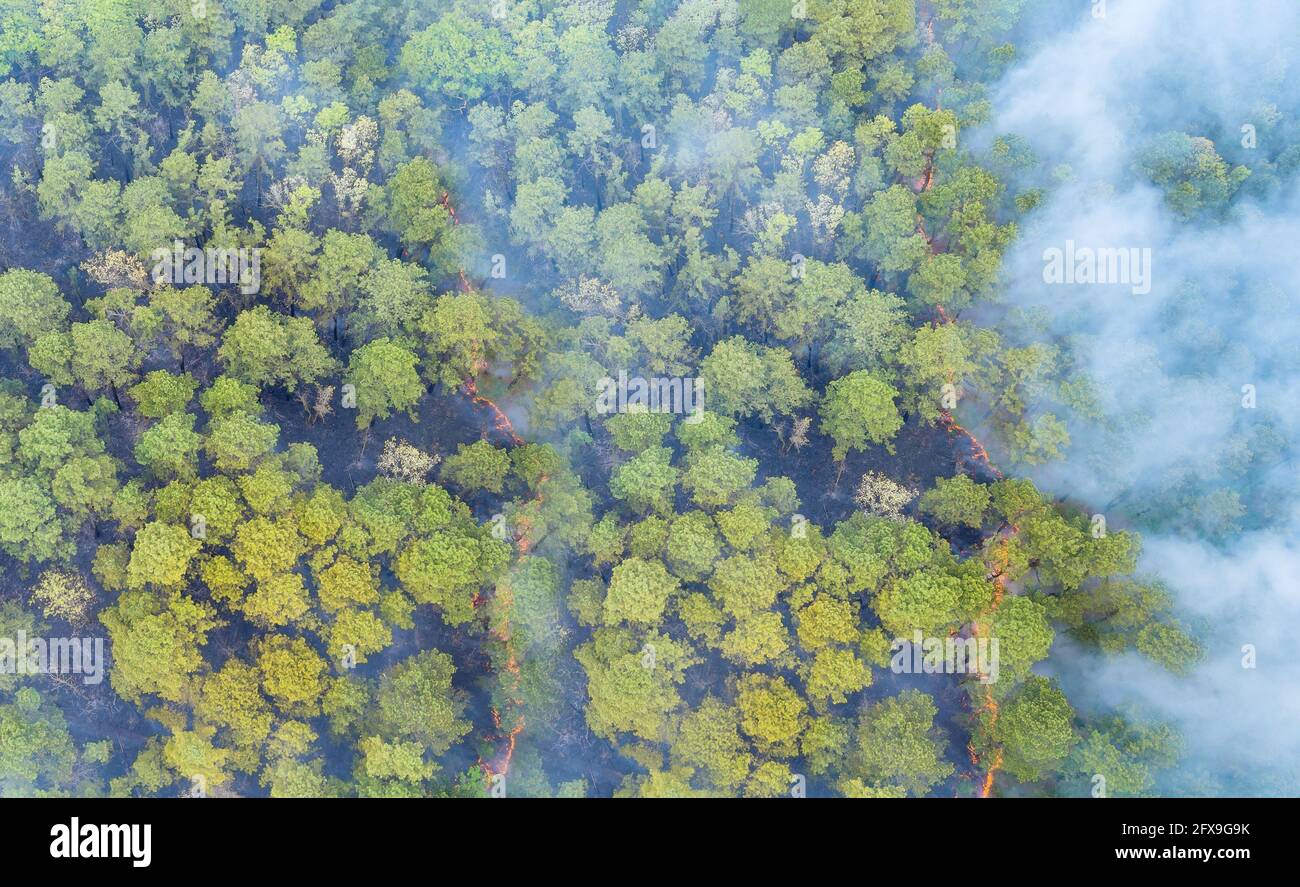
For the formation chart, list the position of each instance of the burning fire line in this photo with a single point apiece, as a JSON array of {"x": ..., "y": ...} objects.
[
  {"x": 445, "y": 201},
  {"x": 978, "y": 451},
  {"x": 500, "y": 421},
  {"x": 1001, "y": 559},
  {"x": 980, "y": 455},
  {"x": 505, "y": 595}
]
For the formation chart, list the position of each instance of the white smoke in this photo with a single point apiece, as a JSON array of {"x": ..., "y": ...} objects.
[{"x": 1171, "y": 365}]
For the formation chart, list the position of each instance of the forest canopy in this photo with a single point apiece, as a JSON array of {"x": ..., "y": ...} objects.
[{"x": 306, "y": 312}]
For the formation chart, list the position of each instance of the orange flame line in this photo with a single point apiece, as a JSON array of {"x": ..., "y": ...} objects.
[
  {"x": 500, "y": 420},
  {"x": 505, "y": 596},
  {"x": 999, "y": 563},
  {"x": 998, "y": 568},
  {"x": 978, "y": 450},
  {"x": 445, "y": 201}
]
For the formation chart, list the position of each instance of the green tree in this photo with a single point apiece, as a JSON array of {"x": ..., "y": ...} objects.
[
  {"x": 162, "y": 393},
  {"x": 415, "y": 209},
  {"x": 957, "y": 500},
  {"x": 477, "y": 466},
  {"x": 293, "y": 674},
  {"x": 95, "y": 355},
  {"x": 885, "y": 233},
  {"x": 38, "y": 755},
  {"x": 385, "y": 377},
  {"x": 416, "y": 702},
  {"x": 896, "y": 745},
  {"x": 189, "y": 321},
  {"x": 1195, "y": 179},
  {"x": 157, "y": 643},
  {"x": 170, "y": 448},
  {"x": 161, "y": 556},
  {"x": 1169, "y": 645},
  {"x": 1035, "y": 728},
  {"x": 743, "y": 379},
  {"x": 30, "y": 307},
  {"x": 236, "y": 441},
  {"x": 859, "y": 409},
  {"x": 693, "y": 545},
  {"x": 714, "y": 477},
  {"x": 639, "y": 591},
  {"x": 262, "y": 348},
  {"x": 457, "y": 57},
  {"x": 835, "y": 674},
  {"x": 772, "y": 714},
  {"x": 625, "y": 696},
  {"x": 646, "y": 481},
  {"x": 709, "y": 740}
]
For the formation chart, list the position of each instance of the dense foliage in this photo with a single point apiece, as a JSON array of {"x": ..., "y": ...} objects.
[{"x": 356, "y": 521}]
